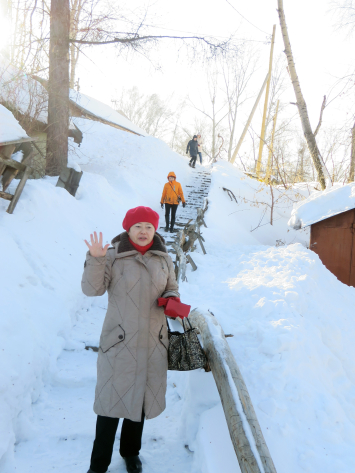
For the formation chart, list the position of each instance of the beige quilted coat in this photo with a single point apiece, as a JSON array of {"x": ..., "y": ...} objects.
[{"x": 132, "y": 361}]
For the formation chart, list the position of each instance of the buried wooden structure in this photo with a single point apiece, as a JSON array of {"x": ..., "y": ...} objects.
[
  {"x": 9, "y": 168},
  {"x": 244, "y": 429}
]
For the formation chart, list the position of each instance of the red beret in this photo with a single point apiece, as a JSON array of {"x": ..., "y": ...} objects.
[{"x": 140, "y": 214}]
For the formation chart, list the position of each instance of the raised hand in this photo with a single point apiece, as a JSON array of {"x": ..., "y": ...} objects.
[{"x": 96, "y": 248}]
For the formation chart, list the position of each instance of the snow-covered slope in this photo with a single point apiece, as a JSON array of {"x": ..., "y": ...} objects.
[{"x": 291, "y": 320}]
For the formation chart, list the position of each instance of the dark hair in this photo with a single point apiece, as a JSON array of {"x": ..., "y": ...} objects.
[{"x": 195, "y": 136}]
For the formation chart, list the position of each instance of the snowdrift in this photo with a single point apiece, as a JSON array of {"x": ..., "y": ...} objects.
[
  {"x": 321, "y": 205},
  {"x": 290, "y": 317}
]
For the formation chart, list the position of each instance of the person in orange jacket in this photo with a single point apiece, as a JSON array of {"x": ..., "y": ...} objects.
[{"x": 171, "y": 197}]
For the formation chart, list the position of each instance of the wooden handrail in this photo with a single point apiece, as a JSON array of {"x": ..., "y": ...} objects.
[{"x": 244, "y": 429}]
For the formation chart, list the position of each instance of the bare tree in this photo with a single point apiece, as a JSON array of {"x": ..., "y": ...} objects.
[
  {"x": 237, "y": 72},
  {"x": 58, "y": 89},
  {"x": 150, "y": 112},
  {"x": 217, "y": 109},
  {"x": 301, "y": 103}
]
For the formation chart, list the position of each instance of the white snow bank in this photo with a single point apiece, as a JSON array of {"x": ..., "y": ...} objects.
[
  {"x": 10, "y": 129},
  {"x": 293, "y": 341},
  {"x": 104, "y": 111},
  {"x": 321, "y": 205},
  {"x": 247, "y": 222}
]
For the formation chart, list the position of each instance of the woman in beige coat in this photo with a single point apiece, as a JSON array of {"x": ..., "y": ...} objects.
[{"x": 132, "y": 361}]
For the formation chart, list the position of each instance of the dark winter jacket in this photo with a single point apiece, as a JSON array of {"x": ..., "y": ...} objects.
[{"x": 192, "y": 145}]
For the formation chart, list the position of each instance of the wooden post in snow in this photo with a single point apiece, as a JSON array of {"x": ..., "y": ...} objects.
[
  {"x": 249, "y": 120},
  {"x": 263, "y": 125},
  {"x": 244, "y": 429}
]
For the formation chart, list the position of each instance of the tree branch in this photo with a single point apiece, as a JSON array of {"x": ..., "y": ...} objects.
[
  {"x": 147, "y": 38},
  {"x": 321, "y": 115}
]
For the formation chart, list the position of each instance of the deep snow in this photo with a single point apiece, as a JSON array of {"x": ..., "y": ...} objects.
[{"x": 290, "y": 317}]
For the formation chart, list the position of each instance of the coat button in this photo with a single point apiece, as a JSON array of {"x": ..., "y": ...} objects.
[{"x": 120, "y": 337}]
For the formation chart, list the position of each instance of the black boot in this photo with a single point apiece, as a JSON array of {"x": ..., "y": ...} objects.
[{"x": 133, "y": 464}]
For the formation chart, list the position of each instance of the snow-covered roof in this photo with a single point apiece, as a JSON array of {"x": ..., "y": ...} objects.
[
  {"x": 102, "y": 111},
  {"x": 10, "y": 129},
  {"x": 322, "y": 205},
  {"x": 21, "y": 92}
]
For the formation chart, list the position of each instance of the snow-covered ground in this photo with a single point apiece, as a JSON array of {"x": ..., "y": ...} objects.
[{"x": 290, "y": 317}]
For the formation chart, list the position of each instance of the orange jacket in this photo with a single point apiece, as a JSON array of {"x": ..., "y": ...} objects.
[{"x": 171, "y": 192}]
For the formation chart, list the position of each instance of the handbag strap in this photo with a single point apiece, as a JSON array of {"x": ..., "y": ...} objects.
[
  {"x": 183, "y": 324},
  {"x": 174, "y": 190}
]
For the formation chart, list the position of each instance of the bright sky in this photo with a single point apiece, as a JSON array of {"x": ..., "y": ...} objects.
[{"x": 320, "y": 53}]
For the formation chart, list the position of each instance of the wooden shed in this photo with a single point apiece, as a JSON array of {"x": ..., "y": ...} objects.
[{"x": 333, "y": 239}]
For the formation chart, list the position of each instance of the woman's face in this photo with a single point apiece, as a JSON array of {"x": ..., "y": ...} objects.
[
  {"x": 142, "y": 233},
  {"x": 171, "y": 178}
]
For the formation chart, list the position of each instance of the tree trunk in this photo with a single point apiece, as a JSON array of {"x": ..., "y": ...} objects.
[
  {"x": 301, "y": 104},
  {"x": 58, "y": 89},
  {"x": 352, "y": 159}
]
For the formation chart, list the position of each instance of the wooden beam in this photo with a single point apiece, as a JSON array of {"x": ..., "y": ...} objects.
[
  {"x": 271, "y": 147},
  {"x": 14, "y": 164},
  {"x": 6, "y": 195},
  {"x": 263, "y": 125},
  {"x": 16, "y": 142},
  {"x": 19, "y": 190},
  {"x": 241, "y": 139},
  {"x": 244, "y": 429}
]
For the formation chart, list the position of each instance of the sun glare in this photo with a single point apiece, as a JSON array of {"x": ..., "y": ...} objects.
[{"x": 5, "y": 30}]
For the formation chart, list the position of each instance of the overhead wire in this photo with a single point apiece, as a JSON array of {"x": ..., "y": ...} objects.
[{"x": 246, "y": 19}]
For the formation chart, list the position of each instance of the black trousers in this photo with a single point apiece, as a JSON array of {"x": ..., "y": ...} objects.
[
  {"x": 173, "y": 208},
  {"x": 130, "y": 445},
  {"x": 193, "y": 160}
]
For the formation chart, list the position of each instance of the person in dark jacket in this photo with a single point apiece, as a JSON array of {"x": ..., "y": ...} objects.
[{"x": 192, "y": 146}]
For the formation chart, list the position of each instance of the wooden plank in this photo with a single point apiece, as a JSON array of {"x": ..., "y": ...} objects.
[
  {"x": 10, "y": 173},
  {"x": 16, "y": 142},
  {"x": 191, "y": 261},
  {"x": 231, "y": 386},
  {"x": 6, "y": 195},
  {"x": 13, "y": 164},
  {"x": 19, "y": 190}
]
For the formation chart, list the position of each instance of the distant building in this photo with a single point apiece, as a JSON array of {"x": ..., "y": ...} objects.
[{"x": 27, "y": 98}]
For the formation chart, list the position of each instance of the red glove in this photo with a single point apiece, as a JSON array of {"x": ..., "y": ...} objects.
[
  {"x": 176, "y": 308},
  {"x": 162, "y": 301}
]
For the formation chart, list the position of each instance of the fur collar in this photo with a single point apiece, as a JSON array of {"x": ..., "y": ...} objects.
[{"x": 124, "y": 244}]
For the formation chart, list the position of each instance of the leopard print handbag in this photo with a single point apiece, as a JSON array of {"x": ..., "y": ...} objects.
[{"x": 185, "y": 352}]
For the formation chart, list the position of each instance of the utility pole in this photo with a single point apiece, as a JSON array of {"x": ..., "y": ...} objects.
[
  {"x": 58, "y": 88},
  {"x": 271, "y": 147},
  {"x": 249, "y": 120},
  {"x": 263, "y": 125}
]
